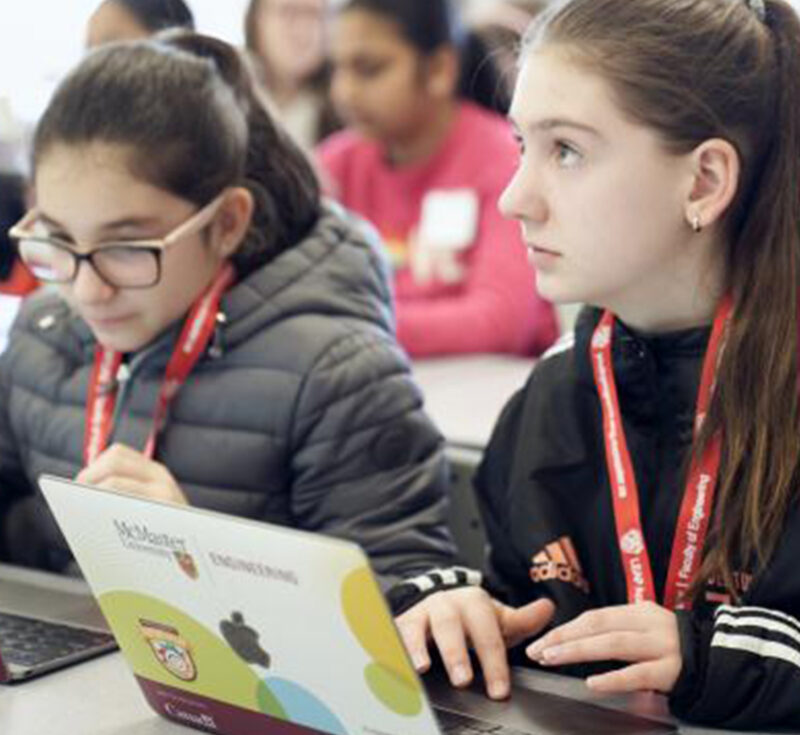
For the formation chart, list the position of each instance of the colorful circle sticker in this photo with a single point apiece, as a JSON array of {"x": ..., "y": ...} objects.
[{"x": 389, "y": 676}]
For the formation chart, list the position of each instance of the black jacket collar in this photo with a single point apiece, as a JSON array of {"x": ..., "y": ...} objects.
[{"x": 657, "y": 375}]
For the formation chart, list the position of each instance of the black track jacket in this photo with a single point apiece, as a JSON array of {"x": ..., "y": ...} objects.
[{"x": 547, "y": 507}]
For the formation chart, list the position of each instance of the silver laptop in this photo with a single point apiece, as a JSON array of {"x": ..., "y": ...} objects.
[
  {"x": 45, "y": 626},
  {"x": 235, "y": 626}
]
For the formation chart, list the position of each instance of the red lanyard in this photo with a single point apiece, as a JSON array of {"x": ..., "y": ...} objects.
[
  {"x": 698, "y": 497},
  {"x": 194, "y": 338}
]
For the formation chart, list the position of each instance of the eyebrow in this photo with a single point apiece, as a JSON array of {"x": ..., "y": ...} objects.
[
  {"x": 120, "y": 224},
  {"x": 552, "y": 123}
]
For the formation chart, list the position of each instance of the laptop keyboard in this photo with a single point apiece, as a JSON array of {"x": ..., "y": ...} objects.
[
  {"x": 28, "y": 642},
  {"x": 454, "y": 723}
]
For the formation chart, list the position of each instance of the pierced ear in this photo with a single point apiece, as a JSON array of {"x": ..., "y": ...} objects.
[
  {"x": 716, "y": 169},
  {"x": 232, "y": 221}
]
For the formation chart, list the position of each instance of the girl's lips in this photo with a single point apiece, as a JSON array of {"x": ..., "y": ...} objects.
[
  {"x": 543, "y": 259},
  {"x": 107, "y": 321},
  {"x": 538, "y": 249}
]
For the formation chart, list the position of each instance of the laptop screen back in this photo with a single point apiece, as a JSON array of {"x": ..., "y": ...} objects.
[{"x": 238, "y": 626}]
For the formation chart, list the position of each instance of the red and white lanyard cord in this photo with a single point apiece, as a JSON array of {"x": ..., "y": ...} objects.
[
  {"x": 698, "y": 497},
  {"x": 194, "y": 338}
]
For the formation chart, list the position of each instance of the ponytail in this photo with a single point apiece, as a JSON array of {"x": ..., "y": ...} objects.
[{"x": 277, "y": 173}]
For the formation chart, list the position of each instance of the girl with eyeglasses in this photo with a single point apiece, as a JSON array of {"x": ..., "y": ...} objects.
[
  {"x": 642, "y": 492},
  {"x": 215, "y": 334}
]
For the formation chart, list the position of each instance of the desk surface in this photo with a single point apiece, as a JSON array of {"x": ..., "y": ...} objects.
[
  {"x": 100, "y": 697},
  {"x": 465, "y": 395}
]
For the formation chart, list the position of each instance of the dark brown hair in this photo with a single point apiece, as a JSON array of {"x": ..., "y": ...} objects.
[
  {"x": 12, "y": 207},
  {"x": 428, "y": 25},
  {"x": 184, "y": 105},
  {"x": 694, "y": 70},
  {"x": 157, "y": 15}
]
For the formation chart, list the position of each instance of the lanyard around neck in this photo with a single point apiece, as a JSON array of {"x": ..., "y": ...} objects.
[
  {"x": 194, "y": 338},
  {"x": 698, "y": 497}
]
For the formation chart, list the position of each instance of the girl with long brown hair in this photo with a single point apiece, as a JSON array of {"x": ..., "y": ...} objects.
[{"x": 640, "y": 493}]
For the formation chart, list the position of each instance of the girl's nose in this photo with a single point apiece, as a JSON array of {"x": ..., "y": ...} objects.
[
  {"x": 88, "y": 287},
  {"x": 522, "y": 198}
]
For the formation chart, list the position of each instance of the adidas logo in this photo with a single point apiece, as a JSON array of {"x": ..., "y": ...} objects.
[{"x": 558, "y": 561}]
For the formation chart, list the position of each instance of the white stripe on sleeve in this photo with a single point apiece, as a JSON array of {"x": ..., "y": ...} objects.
[
  {"x": 423, "y": 583},
  {"x": 765, "y": 611},
  {"x": 756, "y": 646},
  {"x": 757, "y": 621}
]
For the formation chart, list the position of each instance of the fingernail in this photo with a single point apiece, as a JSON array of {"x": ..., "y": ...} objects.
[
  {"x": 550, "y": 655},
  {"x": 460, "y": 675},
  {"x": 498, "y": 690},
  {"x": 534, "y": 650},
  {"x": 420, "y": 662}
]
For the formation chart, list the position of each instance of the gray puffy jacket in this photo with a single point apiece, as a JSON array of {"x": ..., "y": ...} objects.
[{"x": 303, "y": 414}]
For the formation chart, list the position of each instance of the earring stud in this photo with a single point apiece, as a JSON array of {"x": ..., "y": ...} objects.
[{"x": 697, "y": 225}]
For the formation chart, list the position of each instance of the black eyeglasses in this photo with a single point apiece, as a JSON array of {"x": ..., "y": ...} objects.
[{"x": 126, "y": 264}]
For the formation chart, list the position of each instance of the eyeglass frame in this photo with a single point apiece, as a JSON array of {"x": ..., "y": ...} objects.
[{"x": 195, "y": 223}]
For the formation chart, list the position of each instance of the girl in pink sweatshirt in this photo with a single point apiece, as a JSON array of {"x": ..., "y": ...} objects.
[{"x": 427, "y": 168}]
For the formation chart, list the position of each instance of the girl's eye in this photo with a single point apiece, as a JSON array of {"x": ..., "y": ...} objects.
[
  {"x": 369, "y": 69},
  {"x": 61, "y": 237},
  {"x": 566, "y": 155}
]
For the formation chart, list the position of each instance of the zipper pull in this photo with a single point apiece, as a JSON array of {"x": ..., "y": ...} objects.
[
  {"x": 123, "y": 373},
  {"x": 216, "y": 349}
]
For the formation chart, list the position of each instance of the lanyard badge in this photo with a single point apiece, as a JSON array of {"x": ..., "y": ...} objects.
[
  {"x": 698, "y": 497},
  {"x": 194, "y": 338}
]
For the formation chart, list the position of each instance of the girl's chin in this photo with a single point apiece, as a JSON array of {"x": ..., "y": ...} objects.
[{"x": 119, "y": 338}]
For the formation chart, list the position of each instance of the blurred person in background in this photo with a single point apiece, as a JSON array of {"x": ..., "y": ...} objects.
[
  {"x": 426, "y": 164},
  {"x": 501, "y": 24},
  {"x": 286, "y": 40},
  {"x": 15, "y": 279},
  {"x": 128, "y": 20}
]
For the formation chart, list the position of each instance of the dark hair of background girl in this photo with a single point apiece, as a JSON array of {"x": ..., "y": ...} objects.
[
  {"x": 428, "y": 25},
  {"x": 695, "y": 70},
  {"x": 157, "y": 15},
  {"x": 12, "y": 207},
  {"x": 185, "y": 107}
]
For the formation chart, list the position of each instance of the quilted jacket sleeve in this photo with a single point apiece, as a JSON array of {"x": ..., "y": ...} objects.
[{"x": 367, "y": 463}]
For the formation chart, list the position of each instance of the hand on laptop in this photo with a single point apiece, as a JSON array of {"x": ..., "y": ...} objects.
[
  {"x": 454, "y": 617},
  {"x": 645, "y": 635},
  {"x": 126, "y": 470}
]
